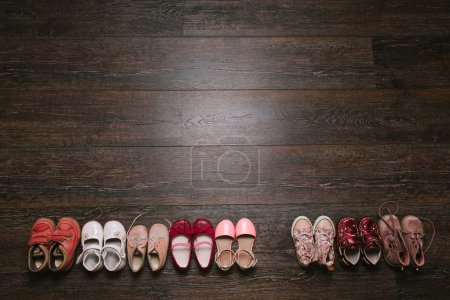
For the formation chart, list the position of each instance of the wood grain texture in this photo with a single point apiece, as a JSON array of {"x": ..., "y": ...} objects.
[
  {"x": 230, "y": 18},
  {"x": 229, "y": 175},
  {"x": 172, "y": 118},
  {"x": 54, "y": 118},
  {"x": 185, "y": 63},
  {"x": 264, "y": 109},
  {"x": 276, "y": 274},
  {"x": 416, "y": 62}
]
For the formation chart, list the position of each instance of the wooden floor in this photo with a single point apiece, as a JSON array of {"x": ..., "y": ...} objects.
[{"x": 263, "y": 109}]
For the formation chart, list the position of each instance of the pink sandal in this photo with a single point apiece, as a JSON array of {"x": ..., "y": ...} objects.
[
  {"x": 246, "y": 236},
  {"x": 225, "y": 235}
]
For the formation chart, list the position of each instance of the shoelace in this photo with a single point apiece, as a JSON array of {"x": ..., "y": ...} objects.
[
  {"x": 416, "y": 237},
  {"x": 138, "y": 241},
  {"x": 304, "y": 241},
  {"x": 392, "y": 240},
  {"x": 324, "y": 243},
  {"x": 395, "y": 235}
]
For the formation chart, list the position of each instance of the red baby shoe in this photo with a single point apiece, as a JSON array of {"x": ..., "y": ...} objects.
[
  {"x": 348, "y": 242},
  {"x": 203, "y": 243},
  {"x": 371, "y": 240},
  {"x": 63, "y": 244},
  {"x": 180, "y": 243},
  {"x": 38, "y": 253}
]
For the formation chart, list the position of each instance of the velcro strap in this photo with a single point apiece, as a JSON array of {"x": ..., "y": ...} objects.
[
  {"x": 60, "y": 235},
  {"x": 348, "y": 241},
  {"x": 64, "y": 233},
  {"x": 117, "y": 249},
  {"x": 37, "y": 239}
]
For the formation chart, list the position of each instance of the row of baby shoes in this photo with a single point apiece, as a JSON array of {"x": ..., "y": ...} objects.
[
  {"x": 314, "y": 243},
  {"x": 53, "y": 246},
  {"x": 245, "y": 234},
  {"x": 103, "y": 246},
  {"x": 403, "y": 243}
]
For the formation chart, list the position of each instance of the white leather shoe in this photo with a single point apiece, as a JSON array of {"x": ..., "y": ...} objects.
[
  {"x": 92, "y": 242},
  {"x": 113, "y": 253}
]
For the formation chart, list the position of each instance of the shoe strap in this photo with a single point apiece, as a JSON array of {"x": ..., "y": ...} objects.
[
  {"x": 96, "y": 249},
  {"x": 254, "y": 260},
  {"x": 203, "y": 243},
  {"x": 38, "y": 239},
  {"x": 225, "y": 268},
  {"x": 61, "y": 235},
  {"x": 119, "y": 251},
  {"x": 187, "y": 245}
]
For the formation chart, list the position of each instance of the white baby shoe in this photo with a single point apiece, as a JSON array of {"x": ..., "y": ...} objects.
[
  {"x": 92, "y": 242},
  {"x": 113, "y": 253}
]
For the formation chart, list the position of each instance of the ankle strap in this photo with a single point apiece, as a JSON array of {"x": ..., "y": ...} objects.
[
  {"x": 252, "y": 264},
  {"x": 225, "y": 268}
]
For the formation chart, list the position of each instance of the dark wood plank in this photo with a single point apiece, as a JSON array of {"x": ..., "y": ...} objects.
[
  {"x": 221, "y": 175},
  {"x": 165, "y": 118},
  {"x": 217, "y": 18},
  {"x": 318, "y": 117},
  {"x": 185, "y": 63},
  {"x": 276, "y": 274},
  {"x": 416, "y": 62},
  {"x": 49, "y": 119}
]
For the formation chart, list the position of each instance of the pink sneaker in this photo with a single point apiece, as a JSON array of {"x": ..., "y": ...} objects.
[
  {"x": 302, "y": 235},
  {"x": 324, "y": 233}
]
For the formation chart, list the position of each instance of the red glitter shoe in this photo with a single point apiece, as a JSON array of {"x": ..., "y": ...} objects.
[
  {"x": 371, "y": 241},
  {"x": 203, "y": 243},
  {"x": 348, "y": 242},
  {"x": 180, "y": 243}
]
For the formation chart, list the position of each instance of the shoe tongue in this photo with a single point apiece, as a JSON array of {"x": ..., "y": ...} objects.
[
  {"x": 58, "y": 252},
  {"x": 37, "y": 252},
  {"x": 372, "y": 245},
  {"x": 353, "y": 242}
]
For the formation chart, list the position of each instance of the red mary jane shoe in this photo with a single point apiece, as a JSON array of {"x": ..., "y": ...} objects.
[
  {"x": 180, "y": 243},
  {"x": 203, "y": 243}
]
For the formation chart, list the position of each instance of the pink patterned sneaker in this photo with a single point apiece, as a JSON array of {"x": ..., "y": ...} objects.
[
  {"x": 302, "y": 235},
  {"x": 324, "y": 233}
]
